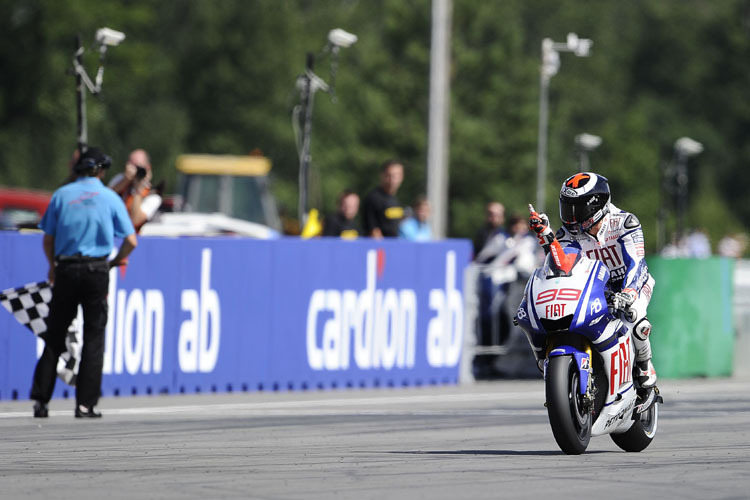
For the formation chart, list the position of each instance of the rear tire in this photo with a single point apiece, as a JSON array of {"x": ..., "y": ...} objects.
[
  {"x": 641, "y": 433},
  {"x": 571, "y": 424}
]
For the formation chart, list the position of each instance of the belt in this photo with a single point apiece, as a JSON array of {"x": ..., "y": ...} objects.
[{"x": 79, "y": 258}]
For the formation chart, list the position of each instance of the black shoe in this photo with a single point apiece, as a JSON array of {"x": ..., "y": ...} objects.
[
  {"x": 41, "y": 410},
  {"x": 83, "y": 412}
]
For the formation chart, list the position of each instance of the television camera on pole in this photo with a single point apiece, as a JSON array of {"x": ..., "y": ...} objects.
[
  {"x": 585, "y": 143},
  {"x": 105, "y": 37},
  {"x": 308, "y": 83}
]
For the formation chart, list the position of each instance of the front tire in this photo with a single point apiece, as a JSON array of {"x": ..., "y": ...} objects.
[
  {"x": 641, "y": 433},
  {"x": 570, "y": 422}
]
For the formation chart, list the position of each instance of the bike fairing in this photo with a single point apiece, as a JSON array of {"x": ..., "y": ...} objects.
[
  {"x": 585, "y": 320},
  {"x": 585, "y": 285}
]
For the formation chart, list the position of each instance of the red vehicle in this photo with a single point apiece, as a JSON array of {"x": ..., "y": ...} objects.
[{"x": 22, "y": 208}]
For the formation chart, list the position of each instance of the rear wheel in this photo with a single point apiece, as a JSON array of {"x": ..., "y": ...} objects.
[
  {"x": 641, "y": 433},
  {"x": 570, "y": 422}
]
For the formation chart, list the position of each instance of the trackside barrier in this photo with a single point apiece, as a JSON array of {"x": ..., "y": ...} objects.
[
  {"x": 192, "y": 315},
  {"x": 692, "y": 316}
]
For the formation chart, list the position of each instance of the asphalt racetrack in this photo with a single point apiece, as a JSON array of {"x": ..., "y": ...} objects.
[{"x": 490, "y": 440}]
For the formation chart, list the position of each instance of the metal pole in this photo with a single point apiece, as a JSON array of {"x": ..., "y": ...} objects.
[
  {"x": 661, "y": 219},
  {"x": 682, "y": 188},
  {"x": 583, "y": 160},
  {"x": 550, "y": 65},
  {"x": 438, "y": 139},
  {"x": 81, "y": 100},
  {"x": 305, "y": 158},
  {"x": 541, "y": 158}
]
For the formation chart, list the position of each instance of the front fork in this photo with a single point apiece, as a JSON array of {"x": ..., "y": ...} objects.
[{"x": 581, "y": 352}]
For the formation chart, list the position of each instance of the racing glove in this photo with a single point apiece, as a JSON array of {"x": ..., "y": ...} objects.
[
  {"x": 621, "y": 301},
  {"x": 539, "y": 223}
]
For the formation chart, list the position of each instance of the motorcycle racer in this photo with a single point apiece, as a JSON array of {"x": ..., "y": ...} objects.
[{"x": 601, "y": 231}]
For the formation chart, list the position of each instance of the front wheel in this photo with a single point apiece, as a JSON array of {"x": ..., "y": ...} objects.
[
  {"x": 570, "y": 421},
  {"x": 641, "y": 433}
]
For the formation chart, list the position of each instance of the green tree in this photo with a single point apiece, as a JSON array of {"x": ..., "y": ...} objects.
[{"x": 203, "y": 76}]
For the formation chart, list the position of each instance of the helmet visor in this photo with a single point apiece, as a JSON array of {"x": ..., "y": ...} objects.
[{"x": 577, "y": 211}]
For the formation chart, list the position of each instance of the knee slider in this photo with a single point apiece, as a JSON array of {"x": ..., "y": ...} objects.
[{"x": 642, "y": 329}]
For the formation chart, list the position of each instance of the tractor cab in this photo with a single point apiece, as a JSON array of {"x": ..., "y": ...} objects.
[{"x": 221, "y": 194}]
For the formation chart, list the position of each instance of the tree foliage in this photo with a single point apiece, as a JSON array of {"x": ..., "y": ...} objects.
[{"x": 219, "y": 77}]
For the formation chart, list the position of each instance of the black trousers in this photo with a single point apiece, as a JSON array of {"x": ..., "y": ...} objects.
[{"x": 76, "y": 282}]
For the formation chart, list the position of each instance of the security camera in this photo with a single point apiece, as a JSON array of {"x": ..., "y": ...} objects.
[
  {"x": 107, "y": 36},
  {"x": 688, "y": 147},
  {"x": 588, "y": 142},
  {"x": 316, "y": 83},
  {"x": 341, "y": 38},
  {"x": 580, "y": 46},
  {"x": 572, "y": 41},
  {"x": 584, "y": 47}
]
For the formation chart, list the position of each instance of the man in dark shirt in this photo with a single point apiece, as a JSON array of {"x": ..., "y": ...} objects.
[
  {"x": 382, "y": 212},
  {"x": 493, "y": 225},
  {"x": 344, "y": 223}
]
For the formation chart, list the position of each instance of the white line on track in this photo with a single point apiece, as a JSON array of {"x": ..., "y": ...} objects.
[
  {"x": 349, "y": 406},
  {"x": 365, "y": 405}
]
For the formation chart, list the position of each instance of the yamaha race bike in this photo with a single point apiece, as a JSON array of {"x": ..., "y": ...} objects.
[{"x": 587, "y": 354}]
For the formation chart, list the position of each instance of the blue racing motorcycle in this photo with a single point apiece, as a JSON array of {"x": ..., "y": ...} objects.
[{"x": 587, "y": 356}]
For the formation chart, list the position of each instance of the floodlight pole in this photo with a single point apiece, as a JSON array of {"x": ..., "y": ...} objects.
[
  {"x": 684, "y": 148},
  {"x": 585, "y": 143},
  {"x": 105, "y": 37},
  {"x": 541, "y": 156},
  {"x": 439, "y": 114},
  {"x": 308, "y": 83},
  {"x": 681, "y": 180},
  {"x": 581, "y": 47},
  {"x": 665, "y": 190},
  {"x": 80, "y": 98},
  {"x": 307, "y": 109}
]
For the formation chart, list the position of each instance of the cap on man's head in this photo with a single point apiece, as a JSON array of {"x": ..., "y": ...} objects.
[{"x": 93, "y": 158}]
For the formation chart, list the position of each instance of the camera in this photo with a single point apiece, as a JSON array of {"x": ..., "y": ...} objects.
[
  {"x": 341, "y": 38},
  {"x": 107, "y": 36},
  {"x": 140, "y": 172}
]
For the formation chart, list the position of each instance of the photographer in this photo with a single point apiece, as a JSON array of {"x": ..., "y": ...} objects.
[{"x": 134, "y": 187}]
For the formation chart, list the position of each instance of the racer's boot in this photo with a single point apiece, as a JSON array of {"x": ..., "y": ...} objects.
[
  {"x": 648, "y": 394},
  {"x": 646, "y": 374},
  {"x": 644, "y": 368}
]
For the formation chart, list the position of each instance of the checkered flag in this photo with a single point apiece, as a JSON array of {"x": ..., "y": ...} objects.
[{"x": 29, "y": 304}]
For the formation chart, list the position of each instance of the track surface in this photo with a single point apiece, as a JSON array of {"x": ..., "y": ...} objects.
[{"x": 488, "y": 440}]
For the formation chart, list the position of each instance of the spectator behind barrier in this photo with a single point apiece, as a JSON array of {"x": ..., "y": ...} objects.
[
  {"x": 732, "y": 245},
  {"x": 416, "y": 227},
  {"x": 381, "y": 210},
  {"x": 493, "y": 225},
  {"x": 134, "y": 187},
  {"x": 344, "y": 223}
]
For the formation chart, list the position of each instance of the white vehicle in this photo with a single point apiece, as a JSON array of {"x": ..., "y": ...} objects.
[{"x": 221, "y": 194}]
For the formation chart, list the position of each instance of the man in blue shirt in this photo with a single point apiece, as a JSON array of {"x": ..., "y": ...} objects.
[{"x": 80, "y": 225}]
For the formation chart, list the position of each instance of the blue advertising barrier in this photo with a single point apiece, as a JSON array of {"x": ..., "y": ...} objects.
[{"x": 192, "y": 315}]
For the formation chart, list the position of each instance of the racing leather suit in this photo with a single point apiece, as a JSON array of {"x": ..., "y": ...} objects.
[{"x": 619, "y": 245}]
